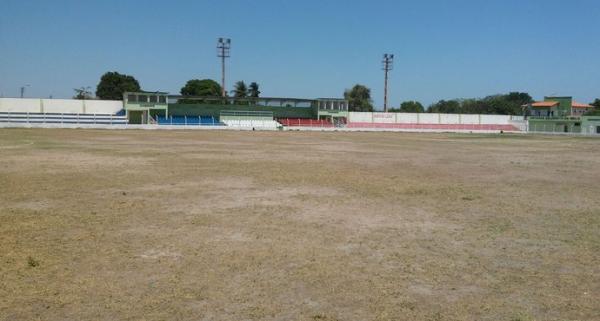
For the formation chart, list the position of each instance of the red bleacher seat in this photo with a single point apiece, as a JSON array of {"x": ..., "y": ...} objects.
[{"x": 304, "y": 122}]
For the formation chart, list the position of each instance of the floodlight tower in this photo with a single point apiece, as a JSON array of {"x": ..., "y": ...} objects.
[
  {"x": 223, "y": 48},
  {"x": 388, "y": 64}
]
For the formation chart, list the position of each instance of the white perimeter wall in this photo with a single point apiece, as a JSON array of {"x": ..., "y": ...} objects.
[
  {"x": 384, "y": 118},
  {"x": 360, "y": 117},
  {"x": 19, "y": 105},
  {"x": 71, "y": 106},
  {"x": 427, "y": 118}
]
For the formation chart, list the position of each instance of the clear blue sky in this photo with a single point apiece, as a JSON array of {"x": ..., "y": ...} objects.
[{"x": 311, "y": 48}]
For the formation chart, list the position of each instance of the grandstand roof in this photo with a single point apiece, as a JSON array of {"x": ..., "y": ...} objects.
[{"x": 147, "y": 92}]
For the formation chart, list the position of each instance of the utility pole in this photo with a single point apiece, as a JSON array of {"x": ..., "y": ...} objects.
[
  {"x": 223, "y": 48},
  {"x": 23, "y": 90},
  {"x": 388, "y": 64}
]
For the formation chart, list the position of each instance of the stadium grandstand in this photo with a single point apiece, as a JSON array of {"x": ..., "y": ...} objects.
[
  {"x": 263, "y": 113},
  {"x": 149, "y": 109}
]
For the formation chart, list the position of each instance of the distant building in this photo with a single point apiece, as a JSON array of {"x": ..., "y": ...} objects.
[
  {"x": 557, "y": 107},
  {"x": 561, "y": 115},
  {"x": 162, "y": 108}
]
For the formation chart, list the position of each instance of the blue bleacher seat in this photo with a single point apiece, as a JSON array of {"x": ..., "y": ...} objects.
[{"x": 188, "y": 120}]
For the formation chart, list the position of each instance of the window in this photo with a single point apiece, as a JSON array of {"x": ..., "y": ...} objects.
[
  {"x": 153, "y": 99},
  {"x": 131, "y": 98},
  {"x": 142, "y": 98},
  {"x": 162, "y": 99}
]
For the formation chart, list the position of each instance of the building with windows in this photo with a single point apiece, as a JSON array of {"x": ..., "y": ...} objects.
[
  {"x": 557, "y": 107},
  {"x": 142, "y": 107},
  {"x": 160, "y": 107},
  {"x": 561, "y": 115}
]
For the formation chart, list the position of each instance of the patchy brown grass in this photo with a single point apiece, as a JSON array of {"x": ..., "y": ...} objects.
[{"x": 182, "y": 225}]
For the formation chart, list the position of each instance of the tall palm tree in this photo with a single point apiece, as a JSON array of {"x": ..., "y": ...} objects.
[
  {"x": 240, "y": 90},
  {"x": 253, "y": 90}
]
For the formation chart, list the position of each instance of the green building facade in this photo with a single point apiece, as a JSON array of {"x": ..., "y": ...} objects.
[
  {"x": 143, "y": 107},
  {"x": 561, "y": 114},
  {"x": 589, "y": 125}
]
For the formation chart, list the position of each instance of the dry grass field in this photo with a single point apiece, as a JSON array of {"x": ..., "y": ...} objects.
[{"x": 220, "y": 225}]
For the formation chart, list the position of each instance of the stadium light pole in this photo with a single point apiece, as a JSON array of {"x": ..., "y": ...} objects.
[
  {"x": 223, "y": 49},
  {"x": 388, "y": 64}
]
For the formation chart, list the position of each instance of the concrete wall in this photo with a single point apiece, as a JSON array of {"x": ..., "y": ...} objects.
[
  {"x": 360, "y": 117},
  {"x": 428, "y": 118},
  {"x": 387, "y": 118},
  {"x": 450, "y": 119},
  {"x": 495, "y": 119},
  {"x": 407, "y": 118},
  {"x": 18, "y": 105},
  {"x": 70, "y": 106},
  {"x": 470, "y": 119},
  {"x": 103, "y": 106},
  {"x": 62, "y": 106}
]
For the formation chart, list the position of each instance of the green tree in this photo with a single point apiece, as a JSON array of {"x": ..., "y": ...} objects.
[
  {"x": 596, "y": 110},
  {"x": 253, "y": 90},
  {"x": 359, "y": 98},
  {"x": 508, "y": 104},
  {"x": 517, "y": 100},
  {"x": 474, "y": 106},
  {"x": 240, "y": 90},
  {"x": 409, "y": 107},
  {"x": 445, "y": 106},
  {"x": 201, "y": 88},
  {"x": 113, "y": 84}
]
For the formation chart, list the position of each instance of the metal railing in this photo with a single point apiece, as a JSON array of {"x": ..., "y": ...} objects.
[{"x": 61, "y": 118}]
